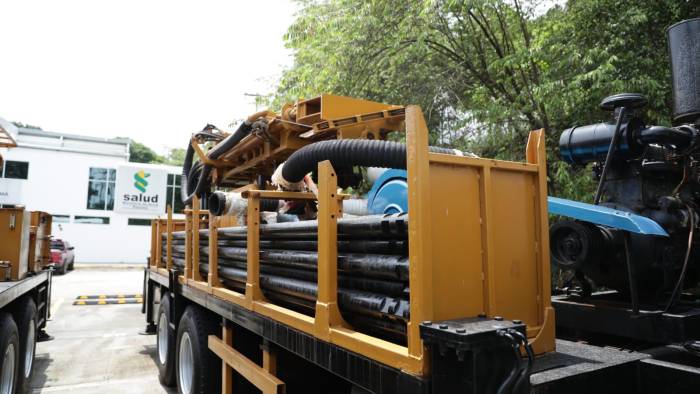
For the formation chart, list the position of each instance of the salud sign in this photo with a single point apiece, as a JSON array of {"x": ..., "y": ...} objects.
[{"x": 140, "y": 189}]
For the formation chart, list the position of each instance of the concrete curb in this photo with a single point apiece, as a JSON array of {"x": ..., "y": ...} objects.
[{"x": 125, "y": 266}]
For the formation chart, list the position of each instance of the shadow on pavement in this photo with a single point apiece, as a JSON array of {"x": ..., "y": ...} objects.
[
  {"x": 152, "y": 352},
  {"x": 39, "y": 376}
]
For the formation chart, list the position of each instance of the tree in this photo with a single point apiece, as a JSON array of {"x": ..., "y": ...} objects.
[
  {"x": 486, "y": 72},
  {"x": 140, "y": 153},
  {"x": 459, "y": 60},
  {"x": 175, "y": 157}
]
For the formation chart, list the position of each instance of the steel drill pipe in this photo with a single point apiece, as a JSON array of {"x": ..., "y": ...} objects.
[
  {"x": 392, "y": 329},
  {"x": 380, "y": 286},
  {"x": 381, "y": 266},
  {"x": 370, "y": 265},
  {"x": 384, "y": 287},
  {"x": 362, "y": 302},
  {"x": 386, "y": 329},
  {"x": 387, "y": 226},
  {"x": 391, "y": 246},
  {"x": 372, "y": 268},
  {"x": 204, "y": 235}
]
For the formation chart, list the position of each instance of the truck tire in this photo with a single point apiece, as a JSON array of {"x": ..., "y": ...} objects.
[
  {"x": 165, "y": 343},
  {"x": 198, "y": 369},
  {"x": 9, "y": 354},
  {"x": 64, "y": 268},
  {"x": 26, "y": 319}
]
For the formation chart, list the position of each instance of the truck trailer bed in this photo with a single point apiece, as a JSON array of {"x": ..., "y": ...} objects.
[
  {"x": 574, "y": 367},
  {"x": 40, "y": 281}
]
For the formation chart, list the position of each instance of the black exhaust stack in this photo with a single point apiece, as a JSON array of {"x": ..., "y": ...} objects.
[{"x": 684, "y": 48}]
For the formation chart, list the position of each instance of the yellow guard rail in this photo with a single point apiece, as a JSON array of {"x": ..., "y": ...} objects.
[{"x": 478, "y": 245}]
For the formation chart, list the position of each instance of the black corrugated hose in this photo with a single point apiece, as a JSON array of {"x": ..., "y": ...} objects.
[
  {"x": 186, "y": 190},
  {"x": 345, "y": 153},
  {"x": 217, "y": 204},
  {"x": 341, "y": 153}
]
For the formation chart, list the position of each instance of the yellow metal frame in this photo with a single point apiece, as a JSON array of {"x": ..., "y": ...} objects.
[
  {"x": 478, "y": 237},
  {"x": 15, "y": 242},
  {"x": 262, "y": 377},
  {"x": 304, "y": 122},
  {"x": 478, "y": 244}
]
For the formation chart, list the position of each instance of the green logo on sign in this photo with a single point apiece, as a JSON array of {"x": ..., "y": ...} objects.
[{"x": 141, "y": 181}]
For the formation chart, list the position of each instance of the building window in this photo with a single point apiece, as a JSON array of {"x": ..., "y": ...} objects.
[
  {"x": 101, "y": 189},
  {"x": 173, "y": 194},
  {"x": 60, "y": 218},
  {"x": 91, "y": 219},
  {"x": 139, "y": 222},
  {"x": 15, "y": 169}
]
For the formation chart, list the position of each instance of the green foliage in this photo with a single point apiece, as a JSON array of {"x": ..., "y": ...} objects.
[
  {"x": 486, "y": 72},
  {"x": 175, "y": 157},
  {"x": 140, "y": 153}
]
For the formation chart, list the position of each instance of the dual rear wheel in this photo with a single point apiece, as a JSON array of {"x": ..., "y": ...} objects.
[
  {"x": 165, "y": 343},
  {"x": 184, "y": 358},
  {"x": 26, "y": 319},
  {"x": 9, "y": 354},
  {"x": 17, "y": 346}
]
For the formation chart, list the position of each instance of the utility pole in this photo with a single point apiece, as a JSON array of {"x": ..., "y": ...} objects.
[{"x": 256, "y": 95}]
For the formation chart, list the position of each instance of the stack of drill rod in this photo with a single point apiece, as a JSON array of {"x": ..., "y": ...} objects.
[{"x": 372, "y": 268}]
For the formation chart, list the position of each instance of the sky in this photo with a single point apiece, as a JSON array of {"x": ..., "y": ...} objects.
[{"x": 151, "y": 70}]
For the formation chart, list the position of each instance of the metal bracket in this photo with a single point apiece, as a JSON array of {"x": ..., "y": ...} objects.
[{"x": 605, "y": 216}]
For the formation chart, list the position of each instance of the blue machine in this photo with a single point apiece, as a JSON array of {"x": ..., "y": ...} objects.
[
  {"x": 389, "y": 194},
  {"x": 605, "y": 216}
]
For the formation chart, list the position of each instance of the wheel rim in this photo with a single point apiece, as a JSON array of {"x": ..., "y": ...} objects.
[
  {"x": 186, "y": 364},
  {"x": 7, "y": 375},
  {"x": 29, "y": 353},
  {"x": 163, "y": 339}
]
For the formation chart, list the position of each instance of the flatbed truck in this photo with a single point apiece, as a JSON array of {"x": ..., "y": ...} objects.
[
  {"x": 480, "y": 319},
  {"x": 25, "y": 288}
]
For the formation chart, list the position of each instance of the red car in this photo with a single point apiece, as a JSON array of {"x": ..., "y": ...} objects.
[{"x": 62, "y": 255}]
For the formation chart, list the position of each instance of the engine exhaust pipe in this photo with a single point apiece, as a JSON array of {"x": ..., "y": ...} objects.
[{"x": 684, "y": 49}]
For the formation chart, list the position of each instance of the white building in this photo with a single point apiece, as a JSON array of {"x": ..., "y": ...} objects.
[{"x": 74, "y": 178}]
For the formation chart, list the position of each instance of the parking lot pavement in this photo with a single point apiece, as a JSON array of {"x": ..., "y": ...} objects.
[{"x": 96, "y": 348}]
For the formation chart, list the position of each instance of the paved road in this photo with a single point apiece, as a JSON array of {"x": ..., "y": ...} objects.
[{"x": 96, "y": 349}]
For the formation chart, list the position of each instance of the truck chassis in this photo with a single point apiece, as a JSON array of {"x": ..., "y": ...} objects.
[{"x": 575, "y": 367}]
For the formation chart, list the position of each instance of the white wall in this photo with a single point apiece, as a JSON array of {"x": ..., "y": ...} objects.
[{"x": 58, "y": 184}]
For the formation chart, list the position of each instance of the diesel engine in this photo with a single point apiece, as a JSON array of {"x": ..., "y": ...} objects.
[{"x": 642, "y": 170}]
